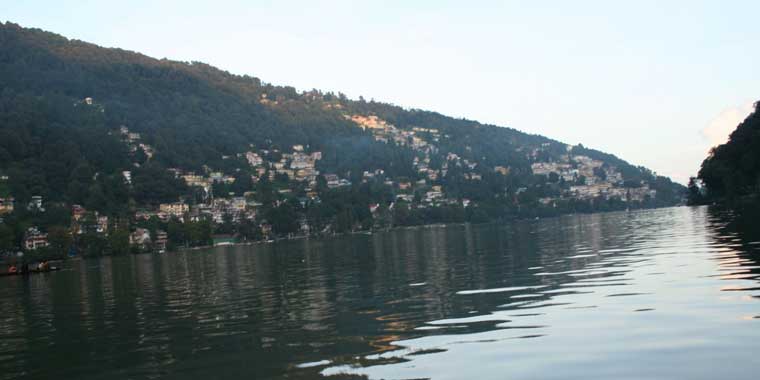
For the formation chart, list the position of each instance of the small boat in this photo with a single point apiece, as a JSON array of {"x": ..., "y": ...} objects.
[{"x": 52, "y": 269}]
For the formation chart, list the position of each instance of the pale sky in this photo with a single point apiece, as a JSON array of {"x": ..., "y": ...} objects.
[{"x": 655, "y": 82}]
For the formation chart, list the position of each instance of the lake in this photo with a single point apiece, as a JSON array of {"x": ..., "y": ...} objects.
[{"x": 668, "y": 293}]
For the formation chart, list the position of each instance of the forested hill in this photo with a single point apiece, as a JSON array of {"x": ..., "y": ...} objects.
[
  {"x": 732, "y": 170},
  {"x": 75, "y": 116}
]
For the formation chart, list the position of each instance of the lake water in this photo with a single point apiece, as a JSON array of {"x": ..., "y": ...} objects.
[{"x": 669, "y": 293}]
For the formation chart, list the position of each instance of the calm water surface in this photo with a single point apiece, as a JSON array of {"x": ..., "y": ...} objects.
[{"x": 670, "y": 293}]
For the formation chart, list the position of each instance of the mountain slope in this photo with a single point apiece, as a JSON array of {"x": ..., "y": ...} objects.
[{"x": 74, "y": 117}]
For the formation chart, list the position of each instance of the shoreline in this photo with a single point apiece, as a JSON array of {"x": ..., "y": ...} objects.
[
  {"x": 363, "y": 232},
  {"x": 398, "y": 228}
]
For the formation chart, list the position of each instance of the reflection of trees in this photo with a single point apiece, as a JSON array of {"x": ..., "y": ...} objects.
[
  {"x": 737, "y": 231},
  {"x": 260, "y": 310}
]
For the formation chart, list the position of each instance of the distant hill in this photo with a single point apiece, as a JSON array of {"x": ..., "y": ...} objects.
[
  {"x": 732, "y": 170},
  {"x": 74, "y": 117}
]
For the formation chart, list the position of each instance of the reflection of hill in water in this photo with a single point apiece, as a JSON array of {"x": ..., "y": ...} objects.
[
  {"x": 408, "y": 303},
  {"x": 736, "y": 235}
]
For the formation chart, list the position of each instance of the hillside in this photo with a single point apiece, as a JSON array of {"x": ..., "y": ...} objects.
[
  {"x": 120, "y": 134},
  {"x": 732, "y": 170}
]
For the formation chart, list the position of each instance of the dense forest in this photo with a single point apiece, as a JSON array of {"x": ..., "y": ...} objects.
[
  {"x": 732, "y": 170},
  {"x": 64, "y": 102}
]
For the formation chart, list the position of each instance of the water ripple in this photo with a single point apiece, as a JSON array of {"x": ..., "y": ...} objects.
[{"x": 581, "y": 296}]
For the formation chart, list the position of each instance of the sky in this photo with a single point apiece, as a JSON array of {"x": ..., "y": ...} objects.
[{"x": 657, "y": 83}]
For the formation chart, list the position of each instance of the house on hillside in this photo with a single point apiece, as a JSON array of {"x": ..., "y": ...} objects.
[
  {"x": 174, "y": 209},
  {"x": 34, "y": 239},
  {"x": 254, "y": 159},
  {"x": 501, "y": 170},
  {"x": 77, "y": 212},
  {"x": 333, "y": 180},
  {"x": 102, "y": 224},
  {"x": 140, "y": 238},
  {"x": 6, "y": 205},
  {"x": 35, "y": 204},
  {"x": 127, "y": 176},
  {"x": 161, "y": 239}
]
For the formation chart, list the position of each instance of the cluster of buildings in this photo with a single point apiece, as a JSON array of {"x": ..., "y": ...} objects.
[
  {"x": 334, "y": 181},
  {"x": 164, "y": 213},
  {"x": 8, "y": 204},
  {"x": 590, "y": 179},
  {"x": 91, "y": 222},
  {"x": 204, "y": 181},
  {"x": 142, "y": 240},
  {"x": 422, "y": 140},
  {"x": 298, "y": 165},
  {"x": 416, "y": 139},
  {"x": 433, "y": 196},
  {"x": 83, "y": 221},
  {"x": 607, "y": 191},
  {"x": 134, "y": 142},
  {"x": 236, "y": 208},
  {"x": 429, "y": 195},
  {"x": 33, "y": 237},
  {"x": 386, "y": 132}
]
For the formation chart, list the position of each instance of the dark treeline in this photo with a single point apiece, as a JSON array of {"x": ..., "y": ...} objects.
[{"x": 731, "y": 173}]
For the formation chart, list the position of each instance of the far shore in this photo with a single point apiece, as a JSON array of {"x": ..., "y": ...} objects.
[{"x": 342, "y": 234}]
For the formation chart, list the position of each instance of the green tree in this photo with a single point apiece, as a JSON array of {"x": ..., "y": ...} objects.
[
  {"x": 283, "y": 218},
  {"x": 694, "y": 192},
  {"x": 60, "y": 239},
  {"x": 118, "y": 242},
  {"x": 7, "y": 238}
]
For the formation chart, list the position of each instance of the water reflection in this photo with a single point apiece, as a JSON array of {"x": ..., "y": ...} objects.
[{"x": 633, "y": 294}]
